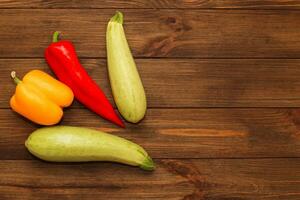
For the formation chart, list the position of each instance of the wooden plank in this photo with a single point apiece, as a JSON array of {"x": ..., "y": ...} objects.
[
  {"x": 180, "y": 133},
  {"x": 191, "y": 82},
  {"x": 156, "y": 33},
  {"x": 241, "y": 179},
  {"x": 183, "y": 4}
]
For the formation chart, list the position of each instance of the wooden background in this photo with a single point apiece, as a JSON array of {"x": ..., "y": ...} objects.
[{"x": 223, "y": 84}]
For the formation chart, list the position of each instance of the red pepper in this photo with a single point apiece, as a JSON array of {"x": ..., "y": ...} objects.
[{"x": 62, "y": 59}]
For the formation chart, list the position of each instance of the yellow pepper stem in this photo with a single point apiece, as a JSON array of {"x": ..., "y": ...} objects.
[{"x": 15, "y": 78}]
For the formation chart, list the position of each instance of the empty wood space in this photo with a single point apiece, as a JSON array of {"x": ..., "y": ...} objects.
[
  {"x": 222, "y": 79},
  {"x": 174, "y": 179},
  {"x": 182, "y": 33}
]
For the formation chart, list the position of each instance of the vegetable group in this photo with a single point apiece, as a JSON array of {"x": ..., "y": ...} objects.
[
  {"x": 127, "y": 87},
  {"x": 40, "y": 98},
  {"x": 74, "y": 144},
  {"x": 62, "y": 59}
]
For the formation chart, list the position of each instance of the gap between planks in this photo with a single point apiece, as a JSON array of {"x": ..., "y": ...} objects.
[
  {"x": 174, "y": 158},
  {"x": 164, "y": 58},
  {"x": 112, "y": 8}
]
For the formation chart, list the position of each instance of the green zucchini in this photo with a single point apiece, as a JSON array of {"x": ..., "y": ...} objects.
[
  {"x": 126, "y": 84},
  {"x": 75, "y": 144}
]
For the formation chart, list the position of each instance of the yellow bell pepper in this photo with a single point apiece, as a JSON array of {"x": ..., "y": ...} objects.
[{"x": 40, "y": 98}]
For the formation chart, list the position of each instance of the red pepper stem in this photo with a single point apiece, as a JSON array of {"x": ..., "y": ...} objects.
[
  {"x": 15, "y": 78},
  {"x": 55, "y": 36}
]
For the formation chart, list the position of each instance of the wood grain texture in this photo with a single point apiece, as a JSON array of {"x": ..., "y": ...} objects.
[
  {"x": 180, "y": 133},
  {"x": 182, "y": 4},
  {"x": 238, "y": 179},
  {"x": 156, "y": 33},
  {"x": 172, "y": 83},
  {"x": 221, "y": 77}
]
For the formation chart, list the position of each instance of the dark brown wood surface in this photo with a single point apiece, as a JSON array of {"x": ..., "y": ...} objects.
[
  {"x": 174, "y": 179},
  {"x": 222, "y": 79},
  {"x": 162, "y": 4},
  {"x": 182, "y": 33}
]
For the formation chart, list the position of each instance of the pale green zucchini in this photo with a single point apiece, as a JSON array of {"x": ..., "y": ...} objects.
[
  {"x": 75, "y": 144},
  {"x": 126, "y": 84}
]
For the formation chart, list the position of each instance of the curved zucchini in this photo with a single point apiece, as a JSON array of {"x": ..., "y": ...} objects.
[
  {"x": 75, "y": 144},
  {"x": 127, "y": 87}
]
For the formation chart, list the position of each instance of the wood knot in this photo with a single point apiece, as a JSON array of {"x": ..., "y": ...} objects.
[
  {"x": 171, "y": 20},
  {"x": 191, "y": 173}
]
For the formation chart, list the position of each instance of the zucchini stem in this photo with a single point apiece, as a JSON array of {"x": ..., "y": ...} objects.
[{"x": 118, "y": 17}]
